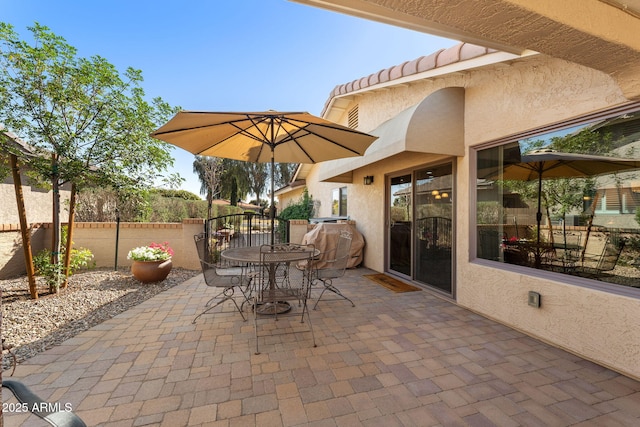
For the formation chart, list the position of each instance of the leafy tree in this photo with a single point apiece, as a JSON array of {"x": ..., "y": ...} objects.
[
  {"x": 173, "y": 181},
  {"x": 258, "y": 174},
  {"x": 284, "y": 173},
  {"x": 234, "y": 180},
  {"x": 233, "y": 198},
  {"x": 84, "y": 120},
  {"x": 209, "y": 171}
]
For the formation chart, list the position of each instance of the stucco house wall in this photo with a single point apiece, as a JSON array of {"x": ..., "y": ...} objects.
[
  {"x": 37, "y": 202},
  {"x": 501, "y": 100},
  {"x": 38, "y": 206}
]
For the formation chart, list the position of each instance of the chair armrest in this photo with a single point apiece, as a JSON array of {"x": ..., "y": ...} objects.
[{"x": 41, "y": 408}]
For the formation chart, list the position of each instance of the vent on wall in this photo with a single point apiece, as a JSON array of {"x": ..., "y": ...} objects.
[{"x": 353, "y": 117}]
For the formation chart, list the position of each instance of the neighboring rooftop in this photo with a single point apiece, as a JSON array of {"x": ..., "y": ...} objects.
[{"x": 19, "y": 143}]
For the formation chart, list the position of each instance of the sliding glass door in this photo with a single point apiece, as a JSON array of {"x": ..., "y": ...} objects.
[{"x": 420, "y": 232}]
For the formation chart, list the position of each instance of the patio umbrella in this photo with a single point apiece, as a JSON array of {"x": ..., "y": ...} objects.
[
  {"x": 264, "y": 137},
  {"x": 547, "y": 163}
]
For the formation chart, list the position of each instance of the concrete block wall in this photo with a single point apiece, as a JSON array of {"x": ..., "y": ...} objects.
[{"x": 100, "y": 238}]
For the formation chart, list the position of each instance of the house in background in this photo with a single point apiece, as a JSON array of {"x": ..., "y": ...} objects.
[
  {"x": 524, "y": 70},
  {"x": 241, "y": 205}
]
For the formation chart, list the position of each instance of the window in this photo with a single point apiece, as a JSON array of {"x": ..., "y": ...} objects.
[
  {"x": 556, "y": 201},
  {"x": 339, "y": 202}
]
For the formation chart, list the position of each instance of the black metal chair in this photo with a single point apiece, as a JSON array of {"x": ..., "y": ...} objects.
[
  {"x": 333, "y": 265},
  {"x": 51, "y": 413},
  {"x": 217, "y": 275},
  {"x": 283, "y": 278}
]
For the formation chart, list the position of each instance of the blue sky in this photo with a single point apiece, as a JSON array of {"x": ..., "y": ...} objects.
[{"x": 226, "y": 55}]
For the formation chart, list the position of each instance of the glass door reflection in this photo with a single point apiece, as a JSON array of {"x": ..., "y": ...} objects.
[
  {"x": 434, "y": 226},
  {"x": 400, "y": 224}
]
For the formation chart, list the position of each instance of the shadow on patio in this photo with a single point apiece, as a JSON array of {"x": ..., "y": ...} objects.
[{"x": 394, "y": 359}]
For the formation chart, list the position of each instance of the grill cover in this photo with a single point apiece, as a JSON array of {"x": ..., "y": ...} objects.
[{"x": 325, "y": 238}]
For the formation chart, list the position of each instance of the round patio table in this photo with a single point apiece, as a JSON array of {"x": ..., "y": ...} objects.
[{"x": 251, "y": 255}]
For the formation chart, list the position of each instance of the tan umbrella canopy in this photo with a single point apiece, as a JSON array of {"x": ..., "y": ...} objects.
[
  {"x": 554, "y": 164},
  {"x": 547, "y": 163},
  {"x": 263, "y": 137}
]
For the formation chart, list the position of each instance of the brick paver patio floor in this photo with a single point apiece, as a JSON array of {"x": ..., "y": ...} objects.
[{"x": 395, "y": 359}]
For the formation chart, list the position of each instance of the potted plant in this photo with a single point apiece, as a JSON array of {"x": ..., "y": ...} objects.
[{"x": 151, "y": 263}]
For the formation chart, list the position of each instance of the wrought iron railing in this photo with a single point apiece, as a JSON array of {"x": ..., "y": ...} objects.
[{"x": 246, "y": 229}]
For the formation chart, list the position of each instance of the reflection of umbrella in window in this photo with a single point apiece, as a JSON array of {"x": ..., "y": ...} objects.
[
  {"x": 263, "y": 137},
  {"x": 553, "y": 164}
]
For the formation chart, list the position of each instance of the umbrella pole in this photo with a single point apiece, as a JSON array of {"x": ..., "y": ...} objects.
[
  {"x": 272, "y": 211},
  {"x": 539, "y": 219}
]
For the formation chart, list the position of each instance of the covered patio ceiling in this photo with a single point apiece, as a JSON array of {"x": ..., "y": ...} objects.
[{"x": 600, "y": 34}]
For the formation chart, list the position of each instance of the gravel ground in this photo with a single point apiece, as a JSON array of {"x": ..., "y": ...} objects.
[{"x": 31, "y": 326}]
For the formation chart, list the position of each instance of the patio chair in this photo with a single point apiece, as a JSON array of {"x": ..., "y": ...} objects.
[
  {"x": 227, "y": 278},
  {"x": 606, "y": 261},
  {"x": 566, "y": 252},
  {"x": 333, "y": 264},
  {"x": 279, "y": 284},
  {"x": 51, "y": 413}
]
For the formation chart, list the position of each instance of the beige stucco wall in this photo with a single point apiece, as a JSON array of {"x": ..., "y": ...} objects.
[
  {"x": 37, "y": 202},
  {"x": 290, "y": 197},
  {"x": 591, "y": 323},
  {"x": 503, "y": 100}
]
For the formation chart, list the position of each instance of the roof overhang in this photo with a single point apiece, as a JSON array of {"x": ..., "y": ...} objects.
[
  {"x": 600, "y": 34},
  {"x": 433, "y": 126},
  {"x": 20, "y": 146}
]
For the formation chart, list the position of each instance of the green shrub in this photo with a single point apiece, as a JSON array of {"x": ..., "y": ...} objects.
[
  {"x": 175, "y": 194},
  {"x": 302, "y": 209},
  {"x": 52, "y": 272}
]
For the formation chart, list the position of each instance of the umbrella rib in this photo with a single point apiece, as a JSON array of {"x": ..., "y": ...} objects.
[
  {"x": 310, "y": 132},
  {"x": 293, "y": 139}
]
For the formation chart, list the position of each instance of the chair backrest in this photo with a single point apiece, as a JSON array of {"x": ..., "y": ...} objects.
[
  {"x": 201, "y": 247},
  {"x": 210, "y": 262},
  {"x": 282, "y": 263},
  {"x": 573, "y": 239},
  {"x": 610, "y": 255},
  {"x": 336, "y": 262}
]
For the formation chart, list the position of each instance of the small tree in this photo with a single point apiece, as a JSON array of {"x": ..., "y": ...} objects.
[
  {"x": 85, "y": 120},
  {"x": 209, "y": 171}
]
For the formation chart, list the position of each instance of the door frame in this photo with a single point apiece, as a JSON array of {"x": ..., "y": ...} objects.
[{"x": 454, "y": 218}]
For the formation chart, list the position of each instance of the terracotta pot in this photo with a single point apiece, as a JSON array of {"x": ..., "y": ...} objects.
[{"x": 151, "y": 271}]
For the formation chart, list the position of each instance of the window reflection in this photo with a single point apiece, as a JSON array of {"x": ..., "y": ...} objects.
[
  {"x": 557, "y": 201},
  {"x": 339, "y": 202}
]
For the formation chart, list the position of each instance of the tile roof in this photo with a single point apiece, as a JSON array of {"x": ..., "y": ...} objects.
[{"x": 441, "y": 58}]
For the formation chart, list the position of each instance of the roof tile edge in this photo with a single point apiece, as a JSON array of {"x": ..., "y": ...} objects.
[{"x": 443, "y": 57}]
